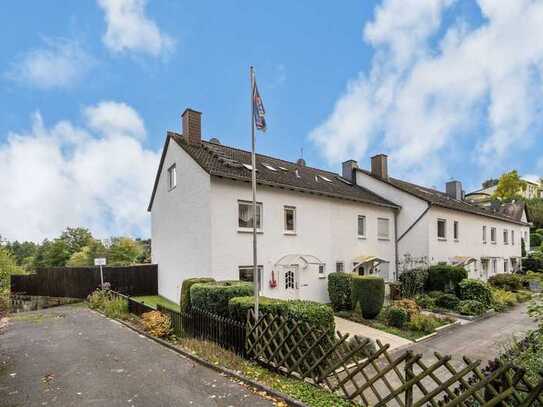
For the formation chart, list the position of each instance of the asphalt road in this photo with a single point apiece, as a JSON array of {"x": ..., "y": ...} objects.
[{"x": 71, "y": 356}]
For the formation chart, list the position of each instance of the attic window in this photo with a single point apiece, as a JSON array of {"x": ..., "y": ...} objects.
[
  {"x": 344, "y": 180},
  {"x": 297, "y": 173},
  {"x": 316, "y": 178},
  {"x": 269, "y": 167},
  {"x": 283, "y": 169},
  {"x": 249, "y": 167},
  {"x": 324, "y": 178}
]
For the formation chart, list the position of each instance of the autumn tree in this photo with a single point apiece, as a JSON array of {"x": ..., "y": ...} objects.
[{"x": 509, "y": 186}]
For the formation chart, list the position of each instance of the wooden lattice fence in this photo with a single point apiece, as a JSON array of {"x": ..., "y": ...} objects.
[{"x": 374, "y": 376}]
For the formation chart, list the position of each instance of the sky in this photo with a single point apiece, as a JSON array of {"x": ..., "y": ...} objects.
[{"x": 449, "y": 89}]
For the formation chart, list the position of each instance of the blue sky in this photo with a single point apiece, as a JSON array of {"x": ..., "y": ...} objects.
[{"x": 446, "y": 88}]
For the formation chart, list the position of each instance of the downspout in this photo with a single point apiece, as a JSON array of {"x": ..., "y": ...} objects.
[{"x": 396, "y": 261}]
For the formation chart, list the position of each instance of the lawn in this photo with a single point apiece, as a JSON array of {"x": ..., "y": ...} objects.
[{"x": 153, "y": 300}]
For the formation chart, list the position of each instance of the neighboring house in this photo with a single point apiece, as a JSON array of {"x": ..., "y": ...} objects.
[
  {"x": 483, "y": 196},
  {"x": 310, "y": 222},
  {"x": 443, "y": 227}
]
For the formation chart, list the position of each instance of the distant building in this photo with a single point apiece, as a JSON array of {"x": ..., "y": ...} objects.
[{"x": 483, "y": 196}]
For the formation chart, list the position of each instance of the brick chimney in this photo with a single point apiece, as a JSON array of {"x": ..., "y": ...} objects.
[
  {"x": 454, "y": 189},
  {"x": 192, "y": 126},
  {"x": 347, "y": 170},
  {"x": 379, "y": 166}
]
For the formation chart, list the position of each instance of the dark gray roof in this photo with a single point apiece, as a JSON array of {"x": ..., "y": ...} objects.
[
  {"x": 227, "y": 162},
  {"x": 441, "y": 199}
]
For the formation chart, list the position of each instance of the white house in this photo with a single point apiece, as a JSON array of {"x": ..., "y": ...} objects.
[
  {"x": 310, "y": 221},
  {"x": 436, "y": 226}
]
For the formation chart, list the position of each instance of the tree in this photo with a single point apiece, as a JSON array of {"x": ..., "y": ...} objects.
[
  {"x": 509, "y": 186},
  {"x": 8, "y": 267},
  {"x": 76, "y": 238},
  {"x": 124, "y": 251},
  {"x": 490, "y": 183},
  {"x": 52, "y": 253},
  {"x": 85, "y": 257}
]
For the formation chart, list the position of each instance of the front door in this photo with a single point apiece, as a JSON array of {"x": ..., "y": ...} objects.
[{"x": 290, "y": 279}]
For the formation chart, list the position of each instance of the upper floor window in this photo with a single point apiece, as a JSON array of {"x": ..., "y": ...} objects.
[
  {"x": 455, "y": 230},
  {"x": 245, "y": 215},
  {"x": 290, "y": 219},
  {"x": 172, "y": 177},
  {"x": 493, "y": 235},
  {"x": 484, "y": 234},
  {"x": 512, "y": 237},
  {"x": 383, "y": 231},
  {"x": 361, "y": 226},
  {"x": 340, "y": 267},
  {"x": 505, "y": 236},
  {"x": 442, "y": 229}
]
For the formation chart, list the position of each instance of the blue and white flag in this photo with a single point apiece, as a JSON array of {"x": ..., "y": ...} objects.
[{"x": 258, "y": 109}]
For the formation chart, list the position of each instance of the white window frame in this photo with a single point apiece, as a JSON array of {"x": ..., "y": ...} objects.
[
  {"x": 358, "y": 219},
  {"x": 505, "y": 236},
  {"x": 260, "y": 269},
  {"x": 512, "y": 237},
  {"x": 259, "y": 209},
  {"x": 340, "y": 267},
  {"x": 444, "y": 221},
  {"x": 286, "y": 209},
  {"x": 322, "y": 270},
  {"x": 484, "y": 234},
  {"x": 456, "y": 231},
  {"x": 383, "y": 237},
  {"x": 493, "y": 237},
  {"x": 172, "y": 177}
]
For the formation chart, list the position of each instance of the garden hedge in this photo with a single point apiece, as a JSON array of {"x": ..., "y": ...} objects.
[
  {"x": 214, "y": 297},
  {"x": 471, "y": 307},
  {"x": 184, "y": 301},
  {"x": 475, "y": 290},
  {"x": 339, "y": 290},
  {"x": 313, "y": 313},
  {"x": 507, "y": 281},
  {"x": 369, "y": 293},
  {"x": 448, "y": 301},
  {"x": 445, "y": 277}
]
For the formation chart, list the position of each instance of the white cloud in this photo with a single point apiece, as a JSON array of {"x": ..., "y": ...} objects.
[
  {"x": 129, "y": 29},
  {"x": 64, "y": 175},
  {"x": 114, "y": 118},
  {"x": 431, "y": 86},
  {"x": 60, "y": 64}
]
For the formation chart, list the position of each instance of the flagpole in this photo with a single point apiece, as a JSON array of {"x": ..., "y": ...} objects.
[{"x": 253, "y": 165}]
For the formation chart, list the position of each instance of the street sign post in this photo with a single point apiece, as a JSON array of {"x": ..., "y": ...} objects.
[{"x": 101, "y": 261}]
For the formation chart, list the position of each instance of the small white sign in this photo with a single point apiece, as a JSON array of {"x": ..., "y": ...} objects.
[{"x": 101, "y": 261}]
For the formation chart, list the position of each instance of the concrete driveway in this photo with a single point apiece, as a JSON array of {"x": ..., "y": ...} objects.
[
  {"x": 481, "y": 339},
  {"x": 346, "y": 326},
  {"x": 71, "y": 356}
]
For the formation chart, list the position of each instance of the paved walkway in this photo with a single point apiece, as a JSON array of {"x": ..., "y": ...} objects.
[
  {"x": 480, "y": 339},
  {"x": 71, "y": 356},
  {"x": 354, "y": 328}
]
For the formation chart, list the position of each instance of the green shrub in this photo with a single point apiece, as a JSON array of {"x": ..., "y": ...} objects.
[
  {"x": 502, "y": 299},
  {"x": 426, "y": 302},
  {"x": 471, "y": 307},
  {"x": 396, "y": 316},
  {"x": 105, "y": 301},
  {"x": 469, "y": 289},
  {"x": 413, "y": 282},
  {"x": 214, "y": 297},
  {"x": 339, "y": 290},
  {"x": 534, "y": 262},
  {"x": 448, "y": 301},
  {"x": 445, "y": 277},
  {"x": 424, "y": 323},
  {"x": 409, "y": 305},
  {"x": 506, "y": 281},
  {"x": 368, "y": 292},
  {"x": 435, "y": 294},
  {"x": 523, "y": 296},
  {"x": 311, "y": 312},
  {"x": 184, "y": 301}
]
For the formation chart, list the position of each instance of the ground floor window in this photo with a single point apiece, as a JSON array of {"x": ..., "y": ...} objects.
[
  {"x": 290, "y": 279},
  {"x": 494, "y": 266},
  {"x": 340, "y": 267},
  {"x": 506, "y": 266},
  {"x": 246, "y": 273}
]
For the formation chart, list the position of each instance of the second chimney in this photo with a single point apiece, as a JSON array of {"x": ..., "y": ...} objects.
[
  {"x": 454, "y": 189},
  {"x": 347, "y": 170},
  {"x": 192, "y": 126},
  {"x": 379, "y": 166}
]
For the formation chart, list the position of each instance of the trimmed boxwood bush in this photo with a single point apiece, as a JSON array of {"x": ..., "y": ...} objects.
[
  {"x": 369, "y": 293},
  {"x": 184, "y": 301},
  {"x": 445, "y": 277},
  {"x": 311, "y": 312},
  {"x": 471, "y": 307},
  {"x": 339, "y": 290},
  {"x": 507, "y": 281},
  {"x": 413, "y": 282},
  {"x": 396, "y": 316},
  {"x": 448, "y": 301},
  {"x": 214, "y": 297},
  {"x": 476, "y": 290}
]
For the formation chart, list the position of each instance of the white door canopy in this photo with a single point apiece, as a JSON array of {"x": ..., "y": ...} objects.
[{"x": 302, "y": 260}]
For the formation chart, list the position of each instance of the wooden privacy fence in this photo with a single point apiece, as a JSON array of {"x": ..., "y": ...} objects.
[
  {"x": 375, "y": 377},
  {"x": 79, "y": 282},
  {"x": 228, "y": 333}
]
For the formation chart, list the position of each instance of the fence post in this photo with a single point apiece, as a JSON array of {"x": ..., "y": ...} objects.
[{"x": 409, "y": 375}]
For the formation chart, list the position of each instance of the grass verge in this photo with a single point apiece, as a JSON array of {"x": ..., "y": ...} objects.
[{"x": 153, "y": 300}]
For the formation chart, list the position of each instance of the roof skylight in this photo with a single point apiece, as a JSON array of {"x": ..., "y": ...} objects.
[
  {"x": 344, "y": 180},
  {"x": 325, "y": 178},
  {"x": 249, "y": 167},
  {"x": 283, "y": 169},
  {"x": 269, "y": 167}
]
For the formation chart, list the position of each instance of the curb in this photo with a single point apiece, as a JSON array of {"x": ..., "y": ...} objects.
[{"x": 227, "y": 372}]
